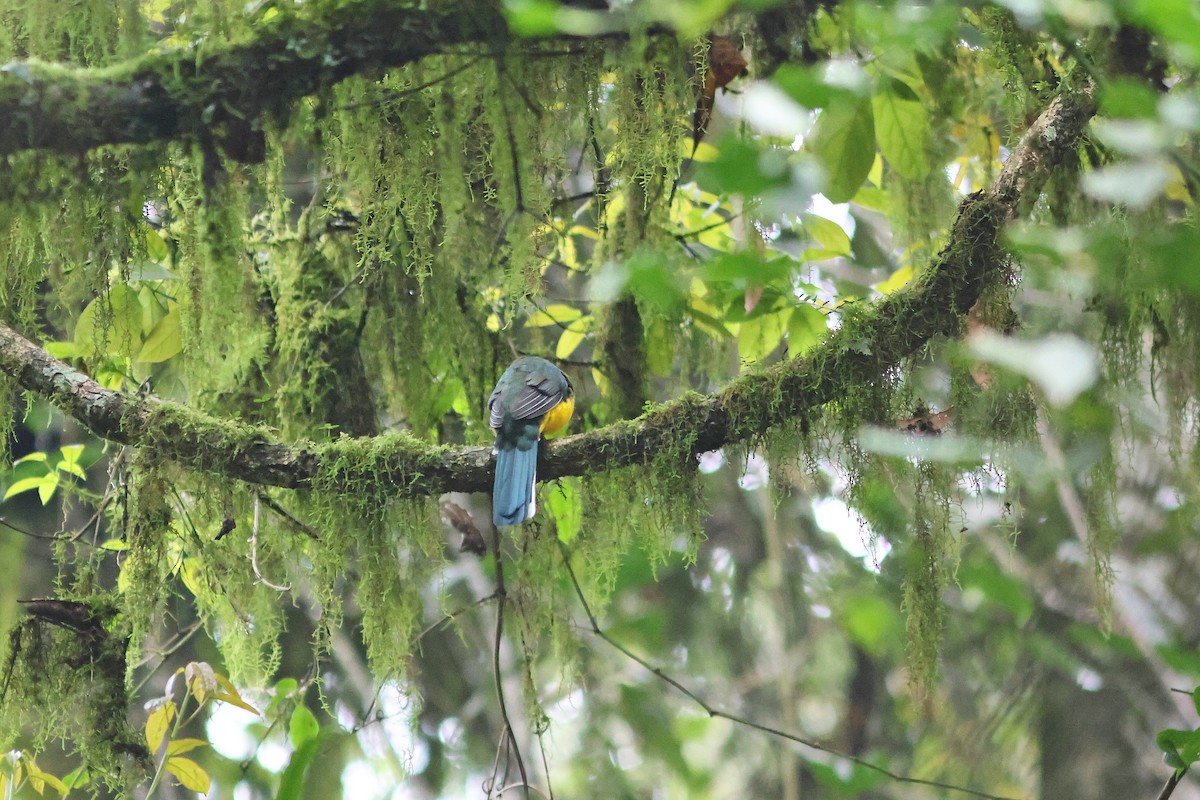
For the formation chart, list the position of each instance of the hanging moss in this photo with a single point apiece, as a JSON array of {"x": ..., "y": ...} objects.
[
  {"x": 655, "y": 508},
  {"x": 396, "y": 561},
  {"x": 47, "y": 691},
  {"x": 147, "y": 521},
  {"x": 221, "y": 289},
  {"x": 89, "y": 32}
]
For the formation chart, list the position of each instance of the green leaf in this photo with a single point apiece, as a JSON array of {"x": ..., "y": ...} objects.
[
  {"x": 77, "y": 778},
  {"x": 902, "y": 128},
  {"x": 742, "y": 168},
  {"x": 72, "y": 468},
  {"x": 874, "y": 624},
  {"x": 165, "y": 341},
  {"x": 845, "y": 143},
  {"x": 291, "y": 783},
  {"x": 63, "y": 350},
  {"x": 805, "y": 86},
  {"x": 189, "y": 773},
  {"x": 1175, "y": 20},
  {"x": 532, "y": 17},
  {"x": 302, "y": 726},
  {"x": 47, "y": 486},
  {"x": 759, "y": 336},
  {"x": 281, "y": 692},
  {"x": 806, "y": 328},
  {"x": 156, "y": 245},
  {"x": 71, "y": 452},
  {"x": 1125, "y": 97},
  {"x": 1184, "y": 746},
  {"x": 110, "y": 325},
  {"x": 828, "y": 234},
  {"x": 150, "y": 271}
]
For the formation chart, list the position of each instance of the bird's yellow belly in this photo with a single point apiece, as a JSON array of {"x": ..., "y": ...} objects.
[{"x": 557, "y": 418}]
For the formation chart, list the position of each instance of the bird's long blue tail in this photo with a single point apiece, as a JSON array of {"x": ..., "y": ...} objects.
[{"x": 513, "y": 499}]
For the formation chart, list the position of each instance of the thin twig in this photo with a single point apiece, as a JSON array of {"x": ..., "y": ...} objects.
[
  {"x": 304, "y": 528},
  {"x": 254, "y": 552},
  {"x": 1173, "y": 781},
  {"x": 450, "y": 616},
  {"x": 445, "y": 76},
  {"x": 502, "y": 598},
  {"x": 180, "y": 640},
  {"x": 31, "y": 534},
  {"x": 716, "y": 712}
]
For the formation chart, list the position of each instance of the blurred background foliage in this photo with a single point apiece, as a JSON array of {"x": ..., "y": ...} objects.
[{"x": 973, "y": 574}]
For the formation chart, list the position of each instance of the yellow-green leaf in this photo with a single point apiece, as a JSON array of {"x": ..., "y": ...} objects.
[
  {"x": 23, "y": 485},
  {"x": 189, "y": 773},
  {"x": 178, "y": 746},
  {"x": 191, "y": 571},
  {"x": 111, "y": 324},
  {"x": 164, "y": 341},
  {"x": 39, "y": 779},
  {"x": 758, "y": 336},
  {"x": 555, "y": 314},
  {"x": 572, "y": 337},
  {"x": 902, "y": 128},
  {"x": 158, "y": 723},
  {"x": 234, "y": 700},
  {"x": 828, "y": 234},
  {"x": 806, "y": 327},
  {"x": 47, "y": 486},
  {"x": 896, "y": 280},
  {"x": 231, "y": 695},
  {"x": 845, "y": 142},
  {"x": 156, "y": 246}
]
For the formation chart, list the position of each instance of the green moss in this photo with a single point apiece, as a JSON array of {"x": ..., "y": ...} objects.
[
  {"x": 144, "y": 571},
  {"x": 221, "y": 290}
]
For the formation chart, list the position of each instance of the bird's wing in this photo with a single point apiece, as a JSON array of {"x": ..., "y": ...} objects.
[{"x": 538, "y": 395}]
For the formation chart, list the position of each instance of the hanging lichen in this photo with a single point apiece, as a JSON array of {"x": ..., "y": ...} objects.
[{"x": 220, "y": 289}]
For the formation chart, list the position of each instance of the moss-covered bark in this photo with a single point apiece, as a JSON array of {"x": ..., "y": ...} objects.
[{"x": 860, "y": 352}]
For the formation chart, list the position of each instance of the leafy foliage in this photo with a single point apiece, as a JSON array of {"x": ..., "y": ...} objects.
[{"x": 970, "y": 326}]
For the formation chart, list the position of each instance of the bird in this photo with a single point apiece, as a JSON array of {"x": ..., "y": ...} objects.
[{"x": 532, "y": 398}]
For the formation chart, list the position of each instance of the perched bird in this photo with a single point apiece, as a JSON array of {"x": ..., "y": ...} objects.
[{"x": 532, "y": 397}]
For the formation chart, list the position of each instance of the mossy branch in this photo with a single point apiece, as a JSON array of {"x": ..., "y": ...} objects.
[
  {"x": 862, "y": 351},
  {"x": 227, "y": 91}
]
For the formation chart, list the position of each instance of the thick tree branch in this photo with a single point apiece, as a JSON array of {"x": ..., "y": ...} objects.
[
  {"x": 169, "y": 94},
  {"x": 862, "y": 352}
]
